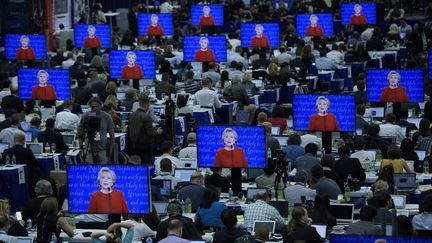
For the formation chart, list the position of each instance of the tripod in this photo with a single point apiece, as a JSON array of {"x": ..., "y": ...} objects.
[{"x": 281, "y": 171}]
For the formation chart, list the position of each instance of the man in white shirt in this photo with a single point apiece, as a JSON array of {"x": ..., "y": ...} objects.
[
  {"x": 167, "y": 148},
  {"x": 284, "y": 56},
  {"x": 235, "y": 56},
  {"x": 311, "y": 138},
  {"x": 166, "y": 7},
  {"x": 367, "y": 34},
  {"x": 66, "y": 120},
  {"x": 69, "y": 61},
  {"x": 294, "y": 193},
  {"x": 7, "y": 134},
  {"x": 363, "y": 155},
  {"x": 207, "y": 97},
  {"x": 389, "y": 129},
  {"x": 166, "y": 172},
  {"x": 212, "y": 74},
  {"x": 5, "y": 224},
  {"x": 336, "y": 55},
  {"x": 191, "y": 150}
]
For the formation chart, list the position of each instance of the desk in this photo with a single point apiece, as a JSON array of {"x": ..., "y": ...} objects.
[
  {"x": 203, "y": 116},
  {"x": 226, "y": 113},
  {"x": 50, "y": 162},
  {"x": 378, "y": 56},
  {"x": 14, "y": 185}
]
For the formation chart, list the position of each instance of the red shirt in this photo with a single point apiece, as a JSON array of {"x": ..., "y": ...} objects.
[
  {"x": 92, "y": 42},
  {"x": 134, "y": 72},
  {"x": 323, "y": 123},
  {"x": 260, "y": 41},
  {"x": 358, "y": 19},
  {"x": 204, "y": 56},
  {"x": 25, "y": 54},
  {"x": 394, "y": 95},
  {"x": 155, "y": 30},
  {"x": 113, "y": 202},
  {"x": 44, "y": 93},
  {"x": 230, "y": 159},
  {"x": 314, "y": 31},
  {"x": 206, "y": 21},
  {"x": 278, "y": 121}
]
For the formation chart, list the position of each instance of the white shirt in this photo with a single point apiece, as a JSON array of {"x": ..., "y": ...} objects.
[
  {"x": 141, "y": 230},
  {"x": 166, "y": 7},
  {"x": 66, "y": 120},
  {"x": 234, "y": 43},
  {"x": 309, "y": 138},
  {"x": 174, "y": 161},
  {"x": 388, "y": 129},
  {"x": 362, "y": 155},
  {"x": 168, "y": 176},
  {"x": 367, "y": 34},
  {"x": 336, "y": 56},
  {"x": 189, "y": 152},
  {"x": 68, "y": 63},
  {"x": 7, "y": 135},
  {"x": 284, "y": 57},
  {"x": 207, "y": 97}
]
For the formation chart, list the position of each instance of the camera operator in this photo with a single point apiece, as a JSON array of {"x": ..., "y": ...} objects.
[{"x": 94, "y": 127}]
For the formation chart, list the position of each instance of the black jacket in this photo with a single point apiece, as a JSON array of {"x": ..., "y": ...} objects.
[
  {"x": 304, "y": 233},
  {"x": 218, "y": 181},
  {"x": 81, "y": 95},
  {"x": 50, "y": 137},
  {"x": 190, "y": 232},
  {"x": 345, "y": 166},
  {"x": 12, "y": 102},
  {"x": 228, "y": 235}
]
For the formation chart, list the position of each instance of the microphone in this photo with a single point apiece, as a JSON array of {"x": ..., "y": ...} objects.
[
  {"x": 109, "y": 199},
  {"x": 231, "y": 146}
]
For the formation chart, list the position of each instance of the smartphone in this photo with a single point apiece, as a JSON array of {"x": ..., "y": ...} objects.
[{"x": 18, "y": 215}]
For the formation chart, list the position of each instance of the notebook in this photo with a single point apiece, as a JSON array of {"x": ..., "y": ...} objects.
[
  {"x": 399, "y": 201},
  {"x": 184, "y": 174},
  {"x": 405, "y": 181},
  {"x": 321, "y": 229},
  {"x": 36, "y": 148},
  {"x": 268, "y": 225},
  {"x": 344, "y": 212}
]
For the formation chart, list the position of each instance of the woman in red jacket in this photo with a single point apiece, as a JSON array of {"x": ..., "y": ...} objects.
[
  {"x": 358, "y": 18},
  {"x": 154, "y": 29},
  {"x": 204, "y": 54},
  {"x": 394, "y": 92},
  {"x": 314, "y": 29},
  {"x": 92, "y": 41},
  {"x": 323, "y": 120},
  {"x": 259, "y": 40},
  {"x": 230, "y": 156},
  {"x": 43, "y": 91},
  {"x": 131, "y": 70},
  {"x": 206, "y": 19},
  {"x": 25, "y": 52},
  {"x": 107, "y": 199}
]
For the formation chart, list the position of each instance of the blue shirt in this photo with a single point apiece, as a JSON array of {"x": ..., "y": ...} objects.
[
  {"x": 422, "y": 221},
  {"x": 35, "y": 132},
  {"x": 292, "y": 152},
  {"x": 211, "y": 216}
]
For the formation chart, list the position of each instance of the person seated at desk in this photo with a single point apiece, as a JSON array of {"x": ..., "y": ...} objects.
[
  {"x": 5, "y": 224},
  {"x": 365, "y": 226},
  {"x": 43, "y": 190},
  {"x": 217, "y": 180},
  {"x": 262, "y": 211},
  {"x": 166, "y": 170},
  {"x": 209, "y": 212},
  {"x": 321, "y": 214},
  {"x": 423, "y": 221},
  {"x": 346, "y": 166},
  {"x": 230, "y": 232},
  {"x": 294, "y": 193},
  {"x": 7, "y": 135},
  {"x": 373, "y": 141},
  {"x": 174, "y": 233},
  {"x": 390, "y": 129},
  {"x": 49, "y": 222},
  {"x": 141, "y": 230},
  {"x": 293, "y": 150},
  {"x": 191, "y": 150},
  {"x": 167, "y": 148},
  {"x": 49, "y": 136},
  {"x": 300, "y": 229},
  {"x": 66, "y": 120},
  {"x": 114, "y": 233},
  {"x": 194, "y": 191},
  {"x": 309, "y": 159},
  {"x": 164, "y": 87},
  {"x": 324, "y": 186},
  {"x": 394, "y": 155},
  {"x": 206, "y": 97}
]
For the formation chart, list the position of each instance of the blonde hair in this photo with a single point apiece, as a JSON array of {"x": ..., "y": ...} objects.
[
  {"x": 4, "y": 207},
  {"x": 393, "y": 73},
  {"x": 41, "y": 72},
  {"x": 104, "y": 170},
  {"x": 247, "y": 78},
  {"x": 24, "y": 37},
  {"x": 381, "y": 186},
  {"x": 259, "y": 26},
  {"x": 96, "y": 61},
  {"x": 261, "y": 117},
  {"x": 227, "y": 130},
  {"x": 322, "y": 98},
  {"x": 273, "y": 69},
  {"x": 393, "y": 29},
  {"x": 113, "y": 100},
  {"x": 111, "y": 87},
  {"x": 91, "y": 27}
]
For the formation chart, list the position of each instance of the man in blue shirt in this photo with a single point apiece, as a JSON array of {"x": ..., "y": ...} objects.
[{"x": 175, "y": 230}]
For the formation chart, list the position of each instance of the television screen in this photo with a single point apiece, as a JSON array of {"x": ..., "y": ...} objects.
[
  {"x": 108, "y": 189},
  {"x": 155, "y": 24},
  {"x": 132, "y": 64},
  {"x": 207, "y": 15},
  {"x": 231, "y": 146},
  {"x": 358, "y": 13},
  {"x": 314, "y": 24},
  {"x": 25, "y": 47},
  {"x": 43, "y": 84},
  {"x": 260, "y": 35},
  {"x": 92, "y": 35},
  {"x": 204, "y": 49},
  {"x": 319, "y": 112},
  {"x": 394, "y": 85}
]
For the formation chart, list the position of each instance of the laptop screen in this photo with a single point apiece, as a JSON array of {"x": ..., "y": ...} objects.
[
  {"x": 281, "y": 207},
  {"x": 24, "y": 239},
  {"x": 421, "y": 154},
  {"x": 376, "y": 111},
  {"x": 342, "y": 211},
  {"x": 160, "y": 207},
  {"x": 163, "y": 185},
  {"x": 28, "y": 137},
  {"x": 321, "y": 229},
  {"x": 68, "y": 138},
  {"x": 282, "y": 140},
  {"x": 184, "y": 174},
  {"x": 189, "y": 163},
  {"x": 3, "y": 147},
  {"x": 399, "y": 200},
  {"x": 275, "y": 130},
  {"x": 251, "y": 192},
  {"x": 405, "y": 180},
  {"x": 268, "y": 225},
  {"x": 36, "y": 148}
]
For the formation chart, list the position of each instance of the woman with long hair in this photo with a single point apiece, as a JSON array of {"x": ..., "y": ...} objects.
[
  {"x": 210, "y": 209},
  {"x": 299, "y": 228},
  {"x": 50, "y": 222},
  {"x": 386, "y": 174},
  {"x": 408, "y": 153}
]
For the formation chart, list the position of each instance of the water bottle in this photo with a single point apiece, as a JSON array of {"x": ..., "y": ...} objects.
[
  {"x": 7, "y": 160},
  {"x": 13, "y": 159},
  {"x": 53, "y": 238},
  {"x": 425, "y": 167},
  {"x": 367, "y": 164},
  {"x": 289, "y": 169},
  {"x": 29, "y": 224},
  {"x": 188, "y": 205},
  {"x": 230, "y": 193},
  {"x": 53, "y": 148},
  {"x": 72, "y": 222},
  {"x": 378, "y": 156},
  {"x": 269, "y": 154},
  {"x": 347, "y": 193},
  {"x": 149, "y": 240}
]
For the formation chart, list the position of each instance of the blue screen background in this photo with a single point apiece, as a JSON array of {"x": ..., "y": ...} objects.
[
  {"x": 131, "y": 180},
  {"x": 325, "y": 20},
  {"x": 37, "y": 42},
  {"x": 342, "y": 106},
  {"x": 144, "y": 58},
  {"x": 368, "y": 9},
  {"x": 165, "y": 20},
  {"x": 59, "y": 78},
  {"x": 215, "y": 10},
  {"x": 412, "y": 80},
  {"x": 343, "y": 238},
  {"x": 250, "y": 139},
  {"x": 247, "y": 31},
  {"x": 102, "y": 31},
  {"x": 216, "y": 43}
]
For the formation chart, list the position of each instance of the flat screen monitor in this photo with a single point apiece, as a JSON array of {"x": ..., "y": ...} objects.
[
  {"x": 253, "y": 191},
  {"x": 384, "y": 85},
  {"x": 260, "y": 35},
  {"x": 24, "y": 239},
  {"x": 324, "y": 112},
  {"x": 132, "y": 64},
  {"x": 43, "y": 84},
  {"x": 25, "y": 47},
  {"x": 68, "y": 138},
  {"x": 343, "y": 212},
  {"x": 36, "y": 148},
  {"x": 231, "y": 146},
  {"x": 163, "y": 185},
  {"x": 358, "y": 13},
  {"x": 92, "y": 35},
  {"x": 184, "y": 174},
  {"x": 415, "y": 120},
  {"x": 268, "y": 225},
  {"x": 282, "y": 139},
  {"x": 161, "y": 207},
  {"x": 108, "y": 189},
  {"x": 155, "y": 24},
  {"x": 405, "y": 181},
  {"x": 375, "y": 112},
  {"x": 281, "y": 207},
  {"x": 207, "y": 15},
  {"x": 399, "y": 201},
  {"x": 314, "y": 24},
  {"x": 204, "y": 49},
  {"x": 189, "y": 162},
  {"x": 421, "y": 154}
]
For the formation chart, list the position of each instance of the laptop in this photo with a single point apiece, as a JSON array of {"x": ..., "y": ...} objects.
[
  {"x": 36, "y": 148},
  {"x": 258, "y": 83},
  {"x": 405, "y": 181},
  {"x": 275, "y": 131},
  {"x": 189, "y": 163},
  {"x": 415, "y": 120},
  {"x": 321, "y": 229},
  {"x": 390, "y": 139},
  {"x": 268, "y": 225},
  {"x": 344, "y": 212},
  {"x": 281, "y": 207},
  {"x": 3, "y": 147},
  {"x": 399, "y": 201},
  {"x": 161, "y": 207},
  {"x": 25, "y": 126},
  {"x": 28, "y": 137},
  {"x": 376, "y": 112},
  {"x": 253, "y": 191},
  {"x": 68, "y": 138},
  {"x": 184, "y": 174},
  {"x": 24, "y": 239},
  {"x": 121, "y": 95},
  {"x": 372, "y": 154},
  {"x": 159, "y": 109},
  {"x": 281, "y": 139},
  {"x": 85, "y": 108},
  {"x": 359, "y": 132},
  {"x": 421, "y": 154},
  {"x": 163, "y": 185}
]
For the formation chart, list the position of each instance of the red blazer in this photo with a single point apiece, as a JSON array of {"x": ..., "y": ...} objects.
[
  {"x": 206, "y": 21},
  {"x": 25, "y": 54},
  {"x": 155, "y": 30},
  {"x": 43, "y": 93},
  {"x": 314, "y": 31},
  {"x": 260, "y": 41},
  {"x": 358, "y": 20},
  {"x": 134, "y": 72},
  {"x": 323, "y": 123},
  {"x": 100, "y": 202},
  {"x": 235, "y": 158},
  {"x": 204, "y": 56},
  {"x": 394, "y": 95},
  {"x": 92, "y": 42}
]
